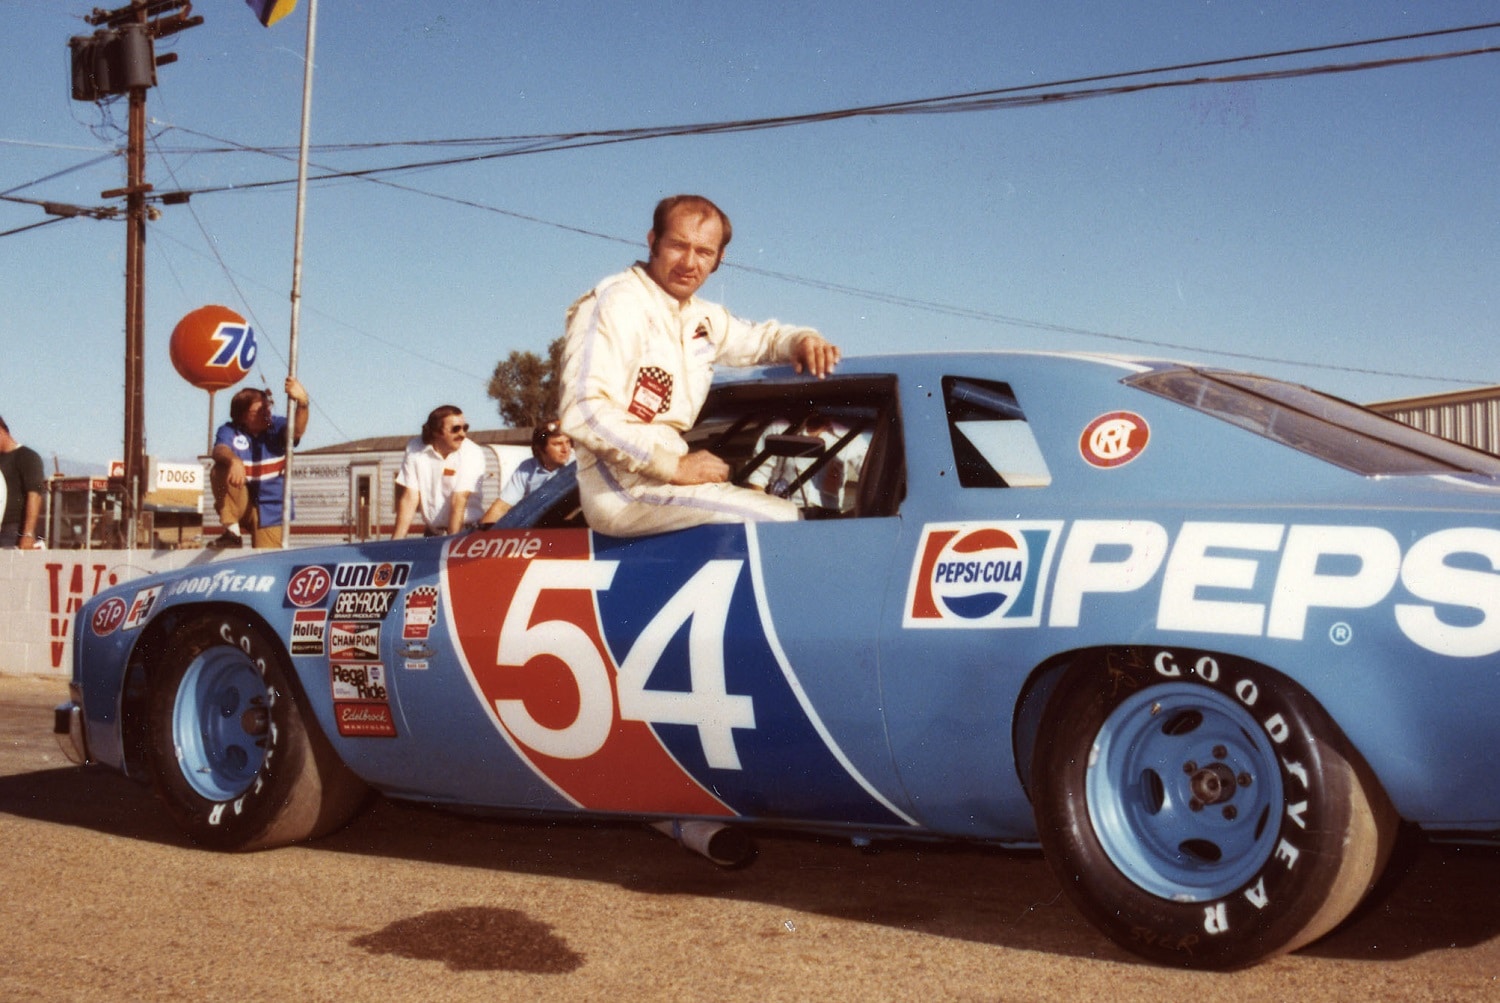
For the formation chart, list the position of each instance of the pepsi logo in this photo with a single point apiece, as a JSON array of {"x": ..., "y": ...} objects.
[{"x": 978, "y": 574}]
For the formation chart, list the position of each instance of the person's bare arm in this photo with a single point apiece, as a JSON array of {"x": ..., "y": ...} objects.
[
  {"x": 406, "y": 507},
  {"x": 458, "y": 504},
  {"x": 29, "y": 520},
  {"x": 497, "y": 509}
]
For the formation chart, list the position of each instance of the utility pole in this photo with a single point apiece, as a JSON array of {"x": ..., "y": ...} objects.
[{"x": 120, "y": 58}]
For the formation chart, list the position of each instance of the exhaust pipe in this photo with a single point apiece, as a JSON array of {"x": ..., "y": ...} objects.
[{"x": 728, "y": 846}]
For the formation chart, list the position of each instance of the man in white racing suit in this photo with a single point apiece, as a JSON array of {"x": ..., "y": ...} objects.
[{"x": 637, "y": 364}]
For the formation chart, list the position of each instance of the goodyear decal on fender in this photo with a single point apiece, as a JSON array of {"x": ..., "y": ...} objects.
[
  {"x": 227, "y": 580},
  {"x": 980, "y": 574},
  {"x": 1272, "y": 580},
  {"x": 643, "y": 678}
]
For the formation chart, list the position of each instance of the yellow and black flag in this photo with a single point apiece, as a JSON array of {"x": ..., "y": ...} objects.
[{"x": 271, "y": 11}]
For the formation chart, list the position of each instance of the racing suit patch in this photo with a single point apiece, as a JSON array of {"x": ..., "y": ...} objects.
[{"x": 653, "y": 393}]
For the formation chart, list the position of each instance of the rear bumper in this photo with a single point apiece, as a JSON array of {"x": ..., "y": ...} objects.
[{"x": 67, "y": 728}]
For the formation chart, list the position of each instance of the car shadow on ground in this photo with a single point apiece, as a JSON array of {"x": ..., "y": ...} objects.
[{"x": 1439, "y": 897}]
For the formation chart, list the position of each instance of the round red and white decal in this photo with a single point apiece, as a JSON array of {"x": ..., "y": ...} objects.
[
  {"x": 1114, "y": 439},
  {"x": 109, "y": 615},
  {"x": 308, "y": 585}
]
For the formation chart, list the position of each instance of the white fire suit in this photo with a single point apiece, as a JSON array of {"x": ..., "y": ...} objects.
[{"x": 637, "y": 366}]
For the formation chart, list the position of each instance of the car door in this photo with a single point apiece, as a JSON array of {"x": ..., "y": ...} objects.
[{"x": 974, "y": 543}]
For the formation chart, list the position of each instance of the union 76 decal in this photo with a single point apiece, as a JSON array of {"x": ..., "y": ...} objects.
[{"x": 643, "y": 678}]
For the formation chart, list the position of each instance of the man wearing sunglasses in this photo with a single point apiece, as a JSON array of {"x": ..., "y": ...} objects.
[{"x": 442, "y": 474}]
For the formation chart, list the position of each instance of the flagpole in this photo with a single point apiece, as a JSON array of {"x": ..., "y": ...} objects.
[{"x": 291, "y": 417}]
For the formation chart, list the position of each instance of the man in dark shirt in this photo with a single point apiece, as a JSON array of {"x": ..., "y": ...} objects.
[{"x": 21, "y": 493}]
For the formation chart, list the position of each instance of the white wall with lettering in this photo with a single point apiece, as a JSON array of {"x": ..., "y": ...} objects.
[{"x": 41, "y": 590}]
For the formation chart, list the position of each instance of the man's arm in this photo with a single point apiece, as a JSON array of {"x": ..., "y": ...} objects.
[
  {"x": 406, "y": 507},
  {"x": 458, "y": 504},
  {"x": 234, "y": 467},
  {"x": 298, "y": 393},
  {"x": 28, "y": 520},
  {"x": 513, "y": 491},
  {"x": 815, "y": 355},
  {"x": 33, "y": 481},
  {"x": 497, "y": 509},
  {"x": 606, "y": 336}
]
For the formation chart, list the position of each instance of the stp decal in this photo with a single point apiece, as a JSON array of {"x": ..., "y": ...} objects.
[
  {"x": 980, "y": 574},
  {"x": 1114, "y": 439},
  {"x": 308, "y": 585},
  {"x": 107, "y": 616},
  {"x": 643, "y": 678}
]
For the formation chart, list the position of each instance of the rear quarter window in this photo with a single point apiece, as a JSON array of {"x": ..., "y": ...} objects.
[{"x": 993, "y": 446}]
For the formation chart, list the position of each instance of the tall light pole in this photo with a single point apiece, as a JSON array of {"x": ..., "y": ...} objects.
[{"x": 120, "y": 58}]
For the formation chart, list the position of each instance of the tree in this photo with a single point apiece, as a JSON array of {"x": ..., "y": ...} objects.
[{"x": 525, "y": 387}]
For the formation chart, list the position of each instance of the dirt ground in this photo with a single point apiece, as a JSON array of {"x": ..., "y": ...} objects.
[{"x": 103, "y": 900}]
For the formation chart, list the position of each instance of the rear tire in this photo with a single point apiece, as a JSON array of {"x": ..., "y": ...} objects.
[
  {"x": 230, "y": 754},
  {"x": 1202, "y": 810}
]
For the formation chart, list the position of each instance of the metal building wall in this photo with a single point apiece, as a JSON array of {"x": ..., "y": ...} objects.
[{"x": 1471, "y": 418}]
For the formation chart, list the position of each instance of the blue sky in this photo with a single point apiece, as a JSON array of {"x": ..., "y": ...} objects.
[{"x": 1339, "y": 230}]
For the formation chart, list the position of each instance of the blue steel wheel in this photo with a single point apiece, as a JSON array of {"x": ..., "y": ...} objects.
[
  {"x": 1203, "y": 810},
  {"x": 221, "y": 723},
  {"x": 231, "y": 756},
  {"x": 1182, "y": 788}
]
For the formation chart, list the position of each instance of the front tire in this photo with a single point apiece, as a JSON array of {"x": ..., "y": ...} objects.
[
  {"x": 1202, "y": 810},
  {"x": 230, "y": 754}
]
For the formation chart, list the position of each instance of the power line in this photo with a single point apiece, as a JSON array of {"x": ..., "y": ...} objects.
[
  {"x": 1019, "y": 96},
  {"x": 894, "y": 299},
  {"x": 922, "y": 105},
  {"x": 1027, "y": 95}
]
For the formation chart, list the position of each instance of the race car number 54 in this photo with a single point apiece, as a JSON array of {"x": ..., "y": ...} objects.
[{"x": 704, "y": 600}]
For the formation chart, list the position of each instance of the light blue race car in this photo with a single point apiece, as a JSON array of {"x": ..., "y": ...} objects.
[{"x": 1209, "y": 639}]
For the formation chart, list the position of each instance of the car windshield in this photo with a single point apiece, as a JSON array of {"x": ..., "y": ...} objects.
[{"x": 1329, "y": 428}]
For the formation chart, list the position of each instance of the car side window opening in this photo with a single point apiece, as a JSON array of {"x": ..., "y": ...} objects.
[
  {"x": 834, "y": 448},
  {"x": 993, "y": 445}
]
